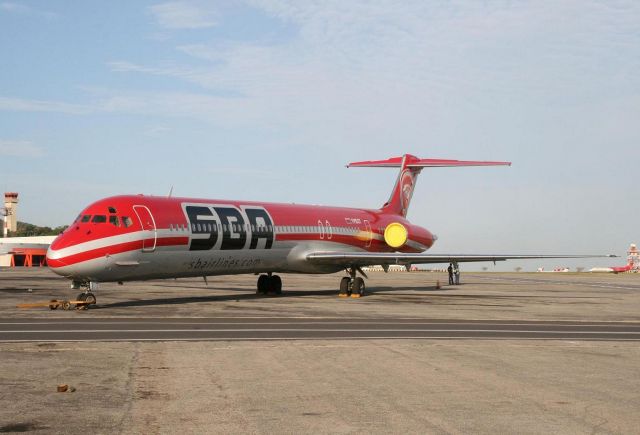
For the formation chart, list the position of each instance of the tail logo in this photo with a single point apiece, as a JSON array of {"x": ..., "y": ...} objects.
[{"x": 407, "y": 182}]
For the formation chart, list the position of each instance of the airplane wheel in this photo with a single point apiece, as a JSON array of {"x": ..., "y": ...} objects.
[
  {"x": 90, "y": 299},
  {"x": 263, "y": 285},
  {"x": 344, "y": 285},
  {"x": 53, "y": 305},
  {"x": 358, "y": 286},
  {"x": 276, "y": 284}
]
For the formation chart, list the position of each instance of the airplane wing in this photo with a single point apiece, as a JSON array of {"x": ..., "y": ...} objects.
[{"x": 349, "y": 259}]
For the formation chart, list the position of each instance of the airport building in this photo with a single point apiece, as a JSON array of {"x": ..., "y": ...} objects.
[
  {"x": 9, "y": 212},
  {"x": 20, "y": 251},
  {"x": 24, "y": 251},
  {"x": 633, "y": 257}
]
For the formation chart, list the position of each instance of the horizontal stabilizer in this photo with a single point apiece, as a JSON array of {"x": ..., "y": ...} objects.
[{"x": 414, "y": 162}]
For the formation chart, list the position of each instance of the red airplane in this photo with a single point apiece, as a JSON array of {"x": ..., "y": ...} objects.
[{"x": 137, "y": 237}]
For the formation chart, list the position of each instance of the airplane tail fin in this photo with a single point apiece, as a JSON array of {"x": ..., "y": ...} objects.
[{"x": 410, "y": 167}]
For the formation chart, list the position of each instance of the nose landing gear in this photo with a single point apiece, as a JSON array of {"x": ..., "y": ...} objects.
[{"x": 86, "y": 296}]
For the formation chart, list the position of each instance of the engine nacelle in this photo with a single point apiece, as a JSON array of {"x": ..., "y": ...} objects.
[{"x": 396, "y": 235}]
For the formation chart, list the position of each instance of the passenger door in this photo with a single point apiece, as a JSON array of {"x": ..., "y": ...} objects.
[{"x": 148, "y": 227}]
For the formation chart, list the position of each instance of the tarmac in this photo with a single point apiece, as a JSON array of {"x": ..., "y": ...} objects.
[{"x": 501, "y": 353}]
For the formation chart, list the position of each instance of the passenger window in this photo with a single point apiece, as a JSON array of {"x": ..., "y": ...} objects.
[
  {"x": 126, "y": 221},
  {"x": 99, "y": 219},
  {"x": 86, "y": 218},
  {"x": 113, "y": 220}
]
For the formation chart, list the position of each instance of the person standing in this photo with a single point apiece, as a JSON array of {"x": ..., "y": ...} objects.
[
  {"x": 456, "y": 273},
  {"x": 450, "y": 270}
]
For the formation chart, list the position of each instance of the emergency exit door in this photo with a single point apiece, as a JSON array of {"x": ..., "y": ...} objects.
[{"x": 369, "y": 235}]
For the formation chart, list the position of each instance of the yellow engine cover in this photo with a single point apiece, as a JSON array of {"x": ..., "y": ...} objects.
[{"x": 395, "y": 235}]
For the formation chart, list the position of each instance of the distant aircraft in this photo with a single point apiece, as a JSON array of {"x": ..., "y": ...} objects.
[
  {"x": 613, "y": 269},
  {"x": 633, "y": 263},
  {"x": 137, "y": 237}
]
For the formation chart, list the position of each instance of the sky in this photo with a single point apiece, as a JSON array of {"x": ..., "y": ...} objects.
[{"x": 269, "y": 100}]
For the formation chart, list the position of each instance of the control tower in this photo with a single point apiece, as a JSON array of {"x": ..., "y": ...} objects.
[
  {"x": 634, "y": 257},
  {"x": 10, "y": 210}
]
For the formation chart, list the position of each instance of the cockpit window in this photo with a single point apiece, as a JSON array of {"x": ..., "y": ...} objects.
[
  {"x": 126, "y": 221},
  {"x": 86, "y": 218},
  {"x": 112, "y": 210},
  {"x": 113, "y": 220},
  {"x": 99, "y": 219}
]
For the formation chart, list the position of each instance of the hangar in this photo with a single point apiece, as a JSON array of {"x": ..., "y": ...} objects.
[{"x": 24, "y": 251}]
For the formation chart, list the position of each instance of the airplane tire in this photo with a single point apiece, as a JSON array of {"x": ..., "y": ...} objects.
[
  {"x": 358, "y": 286},
  {"x": 263, "y": 285},
  {"x": 276, "y": 284},
  {"x": 90, "y": 299},
  {"x": 344, "y": 285}
]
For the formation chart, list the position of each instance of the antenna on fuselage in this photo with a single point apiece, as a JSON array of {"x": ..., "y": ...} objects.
[{"x": 170, "y": 192}]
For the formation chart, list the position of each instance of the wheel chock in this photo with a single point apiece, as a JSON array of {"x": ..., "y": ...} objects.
[
  {"x": 343, "y": 295},
  {"x": 355, "y": 295}
]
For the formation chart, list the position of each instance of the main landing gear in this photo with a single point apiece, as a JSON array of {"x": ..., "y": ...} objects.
[
  {"x": 351, "y": 285},
  {"x": 269, "y": 284},
  {"x": 86, "y": 296}
]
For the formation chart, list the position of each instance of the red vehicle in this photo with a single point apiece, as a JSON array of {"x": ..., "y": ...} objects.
[{"x": 137, "y": 237}]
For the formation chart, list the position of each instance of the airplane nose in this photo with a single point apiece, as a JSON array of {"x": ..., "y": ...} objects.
[
  {"x": 54, "y": 261},
  {"x": 55, "y": 257}
]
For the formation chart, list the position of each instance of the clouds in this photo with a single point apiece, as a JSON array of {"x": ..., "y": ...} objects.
[
  {"x": 421, "y": 53},
  {"x": 14, "y": 7},
  {"x": 184, "y": 15},
  {"x": 372, "y": 72},
  {"x": 20, "y": 148},
  {"x": 27, "y": 105},
  {"x": 22, "y": 9}
]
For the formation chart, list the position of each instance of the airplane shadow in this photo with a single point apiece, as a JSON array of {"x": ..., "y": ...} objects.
[
  {"x": 213, "y": 298},
  {"x": 252, "y": 296}
]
